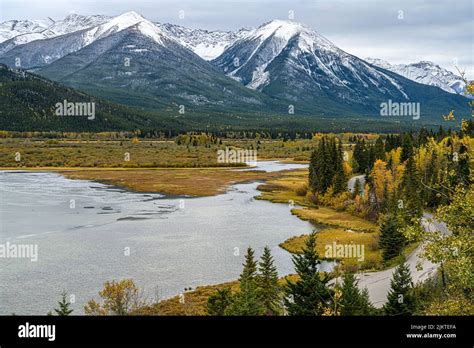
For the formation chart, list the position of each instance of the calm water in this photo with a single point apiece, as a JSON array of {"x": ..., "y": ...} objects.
[{"x": 173, "y": 243}]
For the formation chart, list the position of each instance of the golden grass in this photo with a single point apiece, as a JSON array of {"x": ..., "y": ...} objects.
[
  {"x": 172, "y": 181},
  {"x": 326, "y": 238},
  {"x": 147, "y": 153},
  {"x": 330, "y": 217},
  {"x": 194, "y": 302},
  {"x": 283, "y": 188},
  {"x": 191, "y": 303}
]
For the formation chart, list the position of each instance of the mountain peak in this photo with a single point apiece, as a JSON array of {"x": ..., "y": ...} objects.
[
  {"x": 151, "y": 30},
  {"x": 131, "y": 15},
  {"x": 425, "y": 72},
  {"x": 126, "y": 19},
  {"x": 287, "y": 29}
]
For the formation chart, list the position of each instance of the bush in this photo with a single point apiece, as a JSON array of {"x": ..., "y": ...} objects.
[{"x": 302, "y": 190}]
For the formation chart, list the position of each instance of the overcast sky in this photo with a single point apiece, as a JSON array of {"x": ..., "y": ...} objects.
[{"x": 399, "y": 31}]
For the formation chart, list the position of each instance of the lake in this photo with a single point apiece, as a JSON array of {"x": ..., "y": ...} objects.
[{"x": 87, "y": 233}]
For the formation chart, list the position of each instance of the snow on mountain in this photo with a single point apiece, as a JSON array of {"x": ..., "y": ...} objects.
[
  {"x": 206, "y": 44},
  {"x": 10, "y": 29},
  {"x": 41, "y": 52},
  {"x": 424, "y": 72},
  {"x": 70, "y": 24},
  {"x": 292, "y": 59},
  {"x": 278, "y": 64},
  {"x": 161, "y": 72}
]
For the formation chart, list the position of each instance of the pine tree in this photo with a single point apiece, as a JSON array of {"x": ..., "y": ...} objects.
[
  {"x": 246, "y": 301},
  {"x": 357, "y": 188},
  {"x": 400, "y": 300},
  {"x": 64, "y": 306},
  {"x": 250, "y": 266},
  {"x": 267, "y": 281},
  {"x": 407, "y": 147},
  {"x": 391, "y": 237},
  {"x": 379, "y": 149},
  {"x": 309, "y": 294},
  {"x": 218, "y": 303},
  {"x": 340, "y": 179},
  {"x": 430, "y": 180},
  {"x": 360, "y": 156},
  {"x": 353, "y": 300},
  {"x": 411, "y": 191}
]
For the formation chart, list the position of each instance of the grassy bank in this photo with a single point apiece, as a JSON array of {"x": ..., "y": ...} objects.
[
  {"x": 137, "y": 153},
  {"x": 196, "y": 182},
  {"x": 372, "y": 258},
  {"x": 339, "y": 227},
  {"x": 194, "y": 302}
]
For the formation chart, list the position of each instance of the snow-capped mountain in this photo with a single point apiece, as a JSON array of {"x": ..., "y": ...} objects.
[
  {"x": 14, "y": 28},
  {"x": 206, "y": 44},
  {"x": 427, "y": 73},
  {"x": 142, "y": 65},
  {"x": 291, "y": 61},
  {"x": 263, "y": 70},
  {"x": 70, "y": 24},
  {"x": 38, "y": 53}
]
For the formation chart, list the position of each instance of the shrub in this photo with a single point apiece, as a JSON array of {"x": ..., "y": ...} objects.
[{"x": 302, "y": 190}]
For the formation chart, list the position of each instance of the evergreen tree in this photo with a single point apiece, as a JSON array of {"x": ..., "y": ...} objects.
[
  {"x": 360, "y": 157},
  {"x": 249, "y": 271},
  {"x": 340, "y": 178},
  {"x": 218, "y": 303},
  {"x": 411, "y": 191},
  {"x": 353, "y": 300},
  {"x": 370, "y": 158},
  {"x": 313, "y": 177},
  {"x": 327, "y": 167},
  {"x": 64, "y": 306},
  {"x": 430, "y": 189},
  {"x": 400, "y": 300},
  {"x": 391, "y": 237},
  {"x": 267, "y": 281},
  {"x": 357, "y": 188},
  {"x": 407, "y": 147},
  {"x": 309, "y": 294},
  {"x": 246, "y": 301},
  {"x": 379, "y": 149}
]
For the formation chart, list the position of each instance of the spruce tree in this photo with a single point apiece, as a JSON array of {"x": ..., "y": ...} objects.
[
  {"x": 400, "y": 299},
  {"x": 267, "y": 281},
  {"x": 357, "y": 188},
  {"x": 411, "y": 191},
  {"x": 379, "y": 149},
  {"x": 246, "y": 301},
  {"x": 64, "y": 306},
  {"x": 391, "y": 237},
  {"x": 407, "y": 147},
  {"x": 340, "y": 178},
  {"x": 218, "y": 303},
  {"x": 309, "y": 294},
  {"x": 353, "y": 300},
  {"x": 360, "y": 156},
  {"x": 249, "y": 271}
]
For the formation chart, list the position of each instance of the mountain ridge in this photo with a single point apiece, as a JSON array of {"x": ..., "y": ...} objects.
[{"x": 281, "y": 67}]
